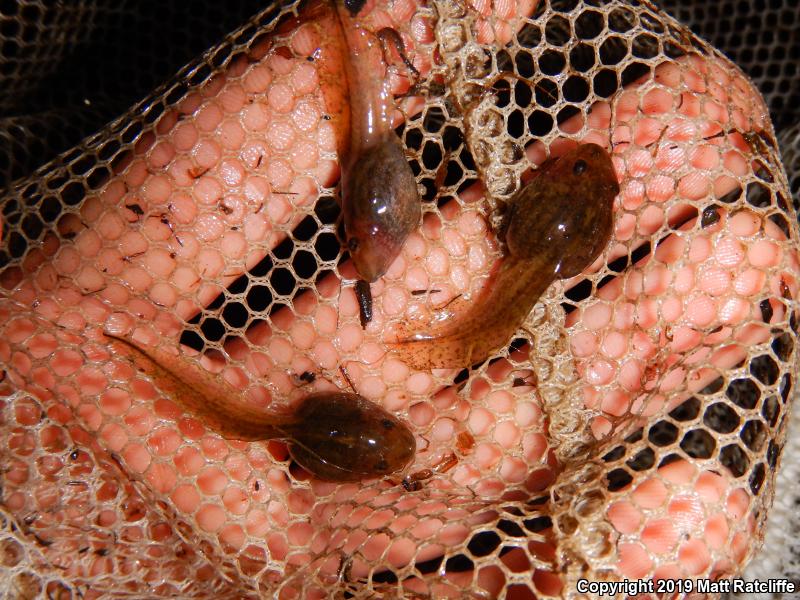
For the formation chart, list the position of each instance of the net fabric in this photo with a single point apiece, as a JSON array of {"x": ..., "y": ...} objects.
[
  {"x": 761, "y": 39},
  {"x": 498, "y": 526},
  {"x": 68, "y": 68},
  {"x": 780, "y": 552}
]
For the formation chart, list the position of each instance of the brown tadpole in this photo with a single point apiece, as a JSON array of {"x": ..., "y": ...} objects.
[
  {"x": 335, "y": 436},
  {"x": 555, "y": 227},
  {"x": 380, "y": 200}
]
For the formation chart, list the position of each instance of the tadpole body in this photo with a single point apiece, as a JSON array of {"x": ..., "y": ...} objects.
[
  {"x": 380, "y": 201},
  {"x": 556, "y": 225},
  {"x": 336, "y": 436}
]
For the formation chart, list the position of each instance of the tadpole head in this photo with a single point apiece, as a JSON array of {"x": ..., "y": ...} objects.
[
  {"x": 344, "y": 437},
  {"x": 566, "y": 211},
  {"x": 380, "y": 206}
]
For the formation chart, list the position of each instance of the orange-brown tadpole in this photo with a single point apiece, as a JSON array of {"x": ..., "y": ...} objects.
[
  {"x": 336, "y": 436},
  {"x": 380, "y": 201},
  {"x": 555, "y": 227}
]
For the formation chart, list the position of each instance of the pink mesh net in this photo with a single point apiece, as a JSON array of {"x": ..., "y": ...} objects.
[{"x": 631, "y": 429}]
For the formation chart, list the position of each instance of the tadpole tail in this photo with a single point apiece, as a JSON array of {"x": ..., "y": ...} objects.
[
  {"x": 203, "y": 396},
  {"x": 487, "y": 325}
]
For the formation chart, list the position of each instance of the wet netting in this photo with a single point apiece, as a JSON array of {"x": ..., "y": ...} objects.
[{"x": 633, "y": 426}]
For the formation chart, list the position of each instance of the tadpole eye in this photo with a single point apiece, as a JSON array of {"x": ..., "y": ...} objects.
[
  {"x": 387, "y": 424},
  {"x": 352, "y": 244},
  {"x": 579, "y": 167}
]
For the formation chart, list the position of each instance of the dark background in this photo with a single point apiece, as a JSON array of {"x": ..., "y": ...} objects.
[{"x": 67, "y": 68}]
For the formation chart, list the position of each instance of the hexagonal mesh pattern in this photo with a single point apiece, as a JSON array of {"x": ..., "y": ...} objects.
[
  {"x": 632, "y": 429},
  {"x": 779, "y": 556},
  {"x": 760, "y": 37},
  {"x": 68, "y": 68}
]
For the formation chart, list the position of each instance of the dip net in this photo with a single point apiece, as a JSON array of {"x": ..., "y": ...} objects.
[{"x": 633, "y": 427}]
